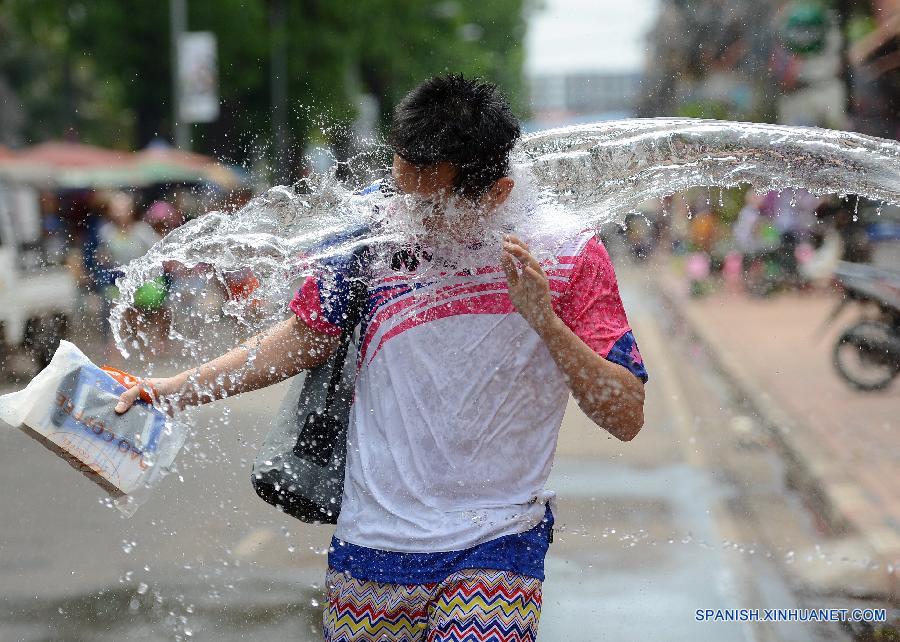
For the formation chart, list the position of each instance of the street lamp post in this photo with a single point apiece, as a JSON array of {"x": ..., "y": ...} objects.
[
  {"x": 279, "y": 88},
  {"x": 178, "y": 25},
  {"x": 844, "y": 8}
]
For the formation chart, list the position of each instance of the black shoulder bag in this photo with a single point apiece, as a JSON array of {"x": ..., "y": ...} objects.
[{"x": 300, "y": 467}]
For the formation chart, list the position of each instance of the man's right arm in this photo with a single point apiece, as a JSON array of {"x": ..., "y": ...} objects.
[{"x": 272, "y": 356}]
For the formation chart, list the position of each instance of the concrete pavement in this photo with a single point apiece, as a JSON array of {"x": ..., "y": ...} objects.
[
  {"x": 841, "y": 445},
  {"x": 658, "y": 527},
  {"x": 692, "y": 514}
]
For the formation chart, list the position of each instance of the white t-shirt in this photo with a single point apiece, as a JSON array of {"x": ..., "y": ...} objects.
[{"x": 458, "y": 402}]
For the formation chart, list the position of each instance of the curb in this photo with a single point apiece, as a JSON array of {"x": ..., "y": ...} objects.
[{"x": 830, "y": 494}]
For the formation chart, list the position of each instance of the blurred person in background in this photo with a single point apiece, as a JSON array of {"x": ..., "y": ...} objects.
[
  {"x": 792, "y": 215},
  {"x": 54, "y": 242},
  {"x": 704, "y": 228},
  {"x": 80, "y": 214},
  {"x": 828, "y": 249},
  {"x": 837, "y": 214},
  {"x": 746, "y": 228},
  {"x": 705, "y": 232},
  {"x": 679, "y": 224},
  {"x": 745, "y": 236},
  {"x": 124, "y": 238},
  {"x": 162, "y": 217}
]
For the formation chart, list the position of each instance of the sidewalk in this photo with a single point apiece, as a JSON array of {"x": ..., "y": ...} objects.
[{"x": 842, "y": 446}]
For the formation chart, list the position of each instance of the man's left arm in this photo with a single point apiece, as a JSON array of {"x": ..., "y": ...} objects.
[{"x": 608, "y": 393}]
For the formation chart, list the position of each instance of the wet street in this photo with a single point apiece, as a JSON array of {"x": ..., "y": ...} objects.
[{"x": 693, "y": 514}]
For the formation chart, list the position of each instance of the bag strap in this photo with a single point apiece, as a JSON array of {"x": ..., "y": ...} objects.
[{"x": 358, "y": 291}]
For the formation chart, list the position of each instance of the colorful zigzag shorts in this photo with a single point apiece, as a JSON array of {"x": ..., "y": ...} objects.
[{"x": 472, "y": 605}]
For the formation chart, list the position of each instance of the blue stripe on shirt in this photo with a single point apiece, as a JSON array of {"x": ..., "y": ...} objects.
[
  {"x": 521, "y": 553},
  {"x": 625, "y": 352}
]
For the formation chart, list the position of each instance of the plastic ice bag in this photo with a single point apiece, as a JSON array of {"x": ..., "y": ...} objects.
[{"x": 68, "y": 408}]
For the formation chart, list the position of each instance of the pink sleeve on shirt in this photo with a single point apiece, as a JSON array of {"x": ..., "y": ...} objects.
[
  {"x": 590, "y": 305},
  {"x": 307, "y": 305}
]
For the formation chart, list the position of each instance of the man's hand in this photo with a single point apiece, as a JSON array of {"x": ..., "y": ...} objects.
[
  {"x": 607, "y": 393},
  {"x": 163, "y": 390},
  {"x": 529, "y": 288}
]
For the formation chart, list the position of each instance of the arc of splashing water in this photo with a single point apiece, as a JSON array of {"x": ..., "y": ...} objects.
[
  {"x": 596, "y": 172},
  {"x": 613, "y": 167}
]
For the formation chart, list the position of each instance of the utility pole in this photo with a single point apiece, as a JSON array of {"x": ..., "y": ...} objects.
[
  {"x": 178, "y": 25},
  {"x": 844, "y": 8},
  {"x": 279, "y": 88}
]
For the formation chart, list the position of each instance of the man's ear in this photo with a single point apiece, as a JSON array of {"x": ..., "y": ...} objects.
[{"x": 498, "y": 193}]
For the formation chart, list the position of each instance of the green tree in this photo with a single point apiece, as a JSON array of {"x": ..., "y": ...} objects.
[
  {"x": 101, "y": 71},
  {"x": 405, "y": 41}
]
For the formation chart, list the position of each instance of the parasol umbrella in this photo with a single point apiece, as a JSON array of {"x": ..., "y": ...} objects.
[
  {"x": 64, "y": 164},
  {"x": 76, "y": 165},
  {"x": 161, "y": 159}
]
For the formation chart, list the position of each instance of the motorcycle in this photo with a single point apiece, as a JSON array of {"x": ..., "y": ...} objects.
[
  {"x": 867, "y": 354},
  {"x": 773, "y": 267}
]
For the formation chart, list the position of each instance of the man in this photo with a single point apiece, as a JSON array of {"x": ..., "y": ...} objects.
[{"x": 463, "y": 380}]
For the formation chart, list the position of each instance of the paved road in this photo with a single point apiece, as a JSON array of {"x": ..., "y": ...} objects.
[
  {"x": 658, "y": 527},
  {"x": 842, "y": 443},
  {"x": 649, "y": 531}
]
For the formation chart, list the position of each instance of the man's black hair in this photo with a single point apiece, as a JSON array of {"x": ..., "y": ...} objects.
[{"x": 466, "y": 122}]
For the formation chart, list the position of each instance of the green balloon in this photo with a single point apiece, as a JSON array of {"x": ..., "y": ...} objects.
[{"x": 151, "y": 295}]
